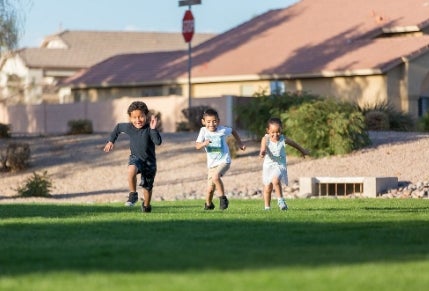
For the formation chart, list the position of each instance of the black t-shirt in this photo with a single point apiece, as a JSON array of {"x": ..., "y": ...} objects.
[{"x": 142, "y": 140}]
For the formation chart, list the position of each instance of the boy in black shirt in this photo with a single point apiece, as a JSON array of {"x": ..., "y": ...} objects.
[{"x": 143, "y": 138}]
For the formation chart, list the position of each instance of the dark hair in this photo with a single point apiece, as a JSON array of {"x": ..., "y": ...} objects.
[
  {"x": 274, "y": 120},
  {"x": 210, "y": 112},
  {"x": 138, "y": 105}
]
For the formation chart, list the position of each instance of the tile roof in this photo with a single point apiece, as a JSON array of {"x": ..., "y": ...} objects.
[
  {"x": 309, "y": 38},
  {"x": 86, "y": 48}
]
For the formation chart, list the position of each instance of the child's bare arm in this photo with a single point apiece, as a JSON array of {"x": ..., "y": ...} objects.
[
  {"x": 263, "y": 149},
  {"x": 200, "y": 145},
  {"x": 294, "y": 144},
  {"x": 238, "y": 139}
]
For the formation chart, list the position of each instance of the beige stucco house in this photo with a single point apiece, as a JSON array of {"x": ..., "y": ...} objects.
[
  {"x": 366, "y": 51},
  {"x": 31, "y": 75}
]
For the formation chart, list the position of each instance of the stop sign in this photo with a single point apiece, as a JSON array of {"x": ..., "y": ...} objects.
[{"x": 188, "y": 26}]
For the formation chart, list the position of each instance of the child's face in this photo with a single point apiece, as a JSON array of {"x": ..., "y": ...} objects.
[
  {"x": 274, "y": 131},
  {"x": 137, "y": 118},
  {"x": 210, "y": 122}
]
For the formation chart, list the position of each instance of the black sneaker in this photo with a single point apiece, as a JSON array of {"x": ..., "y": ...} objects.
[
  {"x": 133, "y": 197},
  {"x": 146, "y": 208},
  {"x": 223, "y": 202},
  {"x": 209, "y": 207}
]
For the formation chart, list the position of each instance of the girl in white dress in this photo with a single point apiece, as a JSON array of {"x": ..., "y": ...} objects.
[{"x": 274, "y": 171}]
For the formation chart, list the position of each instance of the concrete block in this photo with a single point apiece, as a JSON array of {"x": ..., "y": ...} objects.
[{"x": 342, "y": 186}]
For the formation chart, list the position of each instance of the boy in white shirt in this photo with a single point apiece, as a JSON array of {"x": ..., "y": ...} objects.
[{"x": 212, "y": 137}]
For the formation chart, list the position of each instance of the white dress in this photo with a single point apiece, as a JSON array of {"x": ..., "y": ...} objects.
[{"x": 274, "y": 165}]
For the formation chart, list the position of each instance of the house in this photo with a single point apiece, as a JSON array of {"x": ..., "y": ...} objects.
[
  {"x": 31, "y": 75},
  {"x": 365, "y": 51}
]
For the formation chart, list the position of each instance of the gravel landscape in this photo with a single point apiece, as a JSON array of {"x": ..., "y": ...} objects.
[{"x": 82, "y": 173}]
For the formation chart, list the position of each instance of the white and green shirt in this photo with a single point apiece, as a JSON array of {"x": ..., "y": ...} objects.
[{"x": 217, "y": 150}]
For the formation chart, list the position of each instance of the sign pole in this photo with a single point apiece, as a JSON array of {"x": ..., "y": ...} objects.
[
  {"x": 189, "y": 70},
  {"x": 188, "y": 31}
]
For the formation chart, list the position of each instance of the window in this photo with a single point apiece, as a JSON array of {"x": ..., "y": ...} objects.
[
  {"x": 423, "y": 105},
  {"x": 277, "y": 87}
]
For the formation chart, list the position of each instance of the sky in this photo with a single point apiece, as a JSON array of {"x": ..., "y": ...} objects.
[{"x": 40, "y": 18}]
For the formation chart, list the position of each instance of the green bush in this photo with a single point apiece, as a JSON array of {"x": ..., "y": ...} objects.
[
  {"x": 423, "y": 123},
  {"x": 39, "y": 185},
  {"x": 254, "y": 116},
  {"x": 80, "y": 126},
  {"x": 377, "y": 120},
  {"x": 4, "y": 130},
  {"x": 15, "y": 157},
  {"x": 326, "y": 127},
  {"x": 398, "y": 121},
  {"x": 193, "y": 116}
]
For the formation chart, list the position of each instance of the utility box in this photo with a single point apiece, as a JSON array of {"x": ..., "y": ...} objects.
[{"x": 343, "y": 186}]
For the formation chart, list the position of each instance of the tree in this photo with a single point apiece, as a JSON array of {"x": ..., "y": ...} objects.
[{"x": 10, "y": 23}]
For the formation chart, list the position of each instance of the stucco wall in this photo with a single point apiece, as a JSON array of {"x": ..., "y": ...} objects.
[
  {"x": 360, "y": 89},
  {"x": 231, "y": 88},
  {"x": 54, "y": 118}
]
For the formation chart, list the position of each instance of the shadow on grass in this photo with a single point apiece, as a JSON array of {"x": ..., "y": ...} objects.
[{"x": 119, "y": 239}]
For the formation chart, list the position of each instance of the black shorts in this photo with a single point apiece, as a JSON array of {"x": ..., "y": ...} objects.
[{"x": 146, "y": 169}]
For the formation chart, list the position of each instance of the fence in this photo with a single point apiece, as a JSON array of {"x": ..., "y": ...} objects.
[{"x": 51, "y": 119}]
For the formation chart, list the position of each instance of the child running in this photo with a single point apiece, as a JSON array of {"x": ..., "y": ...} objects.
[
  {"x": 212, "y": 137},
  {"x": 143, "y": 138},
  {"x": 274, "y": 171}
]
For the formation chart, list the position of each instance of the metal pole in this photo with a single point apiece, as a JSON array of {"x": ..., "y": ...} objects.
[{"x": 189, "y": 69}]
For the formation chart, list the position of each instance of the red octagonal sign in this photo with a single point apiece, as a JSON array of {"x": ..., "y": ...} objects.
[{"x": 188, "y": 26}]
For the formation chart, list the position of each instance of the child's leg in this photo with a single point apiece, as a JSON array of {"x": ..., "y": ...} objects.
[
  {"x": 132, "y": 185},
  {"x": 277, "y": 185},
  {"x": 147, "y": 180},
  {"x": 215, "y": 181},
  {"x": 278, "y": 189},
  {"x": 267, "y": 195},
  {"x": 218, "y": 184},
  {"x": 132, "y": 178},
  {"x": 147, "y": 195},
  {"x": 210, "y": 192}
]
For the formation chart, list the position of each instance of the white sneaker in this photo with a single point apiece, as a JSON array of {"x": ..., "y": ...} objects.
[{"x": 282, "y": 204}]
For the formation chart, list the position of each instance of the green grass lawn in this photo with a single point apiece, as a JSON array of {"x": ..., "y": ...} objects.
[{"x": 319, "y": 244}]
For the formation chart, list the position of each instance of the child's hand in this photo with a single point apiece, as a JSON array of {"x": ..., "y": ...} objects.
[
  {"x": 305, "y": 153},
  {"x": 153, "y": 122},
  {"x": 108, "y": 147},
  {"x": 242, "y": 147},
  {"x": 262, "y": 154}
]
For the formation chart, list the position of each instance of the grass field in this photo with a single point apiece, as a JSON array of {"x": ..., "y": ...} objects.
[{"x": 319, "y": 244}]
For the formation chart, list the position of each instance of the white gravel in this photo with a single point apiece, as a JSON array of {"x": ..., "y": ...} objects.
[{"x": 82, "y": 172}]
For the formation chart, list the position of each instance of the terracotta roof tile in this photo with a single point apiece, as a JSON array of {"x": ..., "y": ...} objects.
[
  {"x": 309, "y": 38},
  {"x": 86, "y": 48}
]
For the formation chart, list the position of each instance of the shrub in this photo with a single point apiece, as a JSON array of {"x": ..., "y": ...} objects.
[
  {"x": 377, "y": 120},
  {"x": 254, "y": 116},
  {"x": 4, "y": 130},
  {"x": 398, "y": 121},
  {"x": 15, "y": 157},
  {"x": 193, "y": 116},
  {"x": 326, "y": 127},
  {"x": 80, "y": 126},
  {"x": 423, "y": 123},
  {"x": 182, "y": 126},
  {"x": 36, "y": 186}
]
